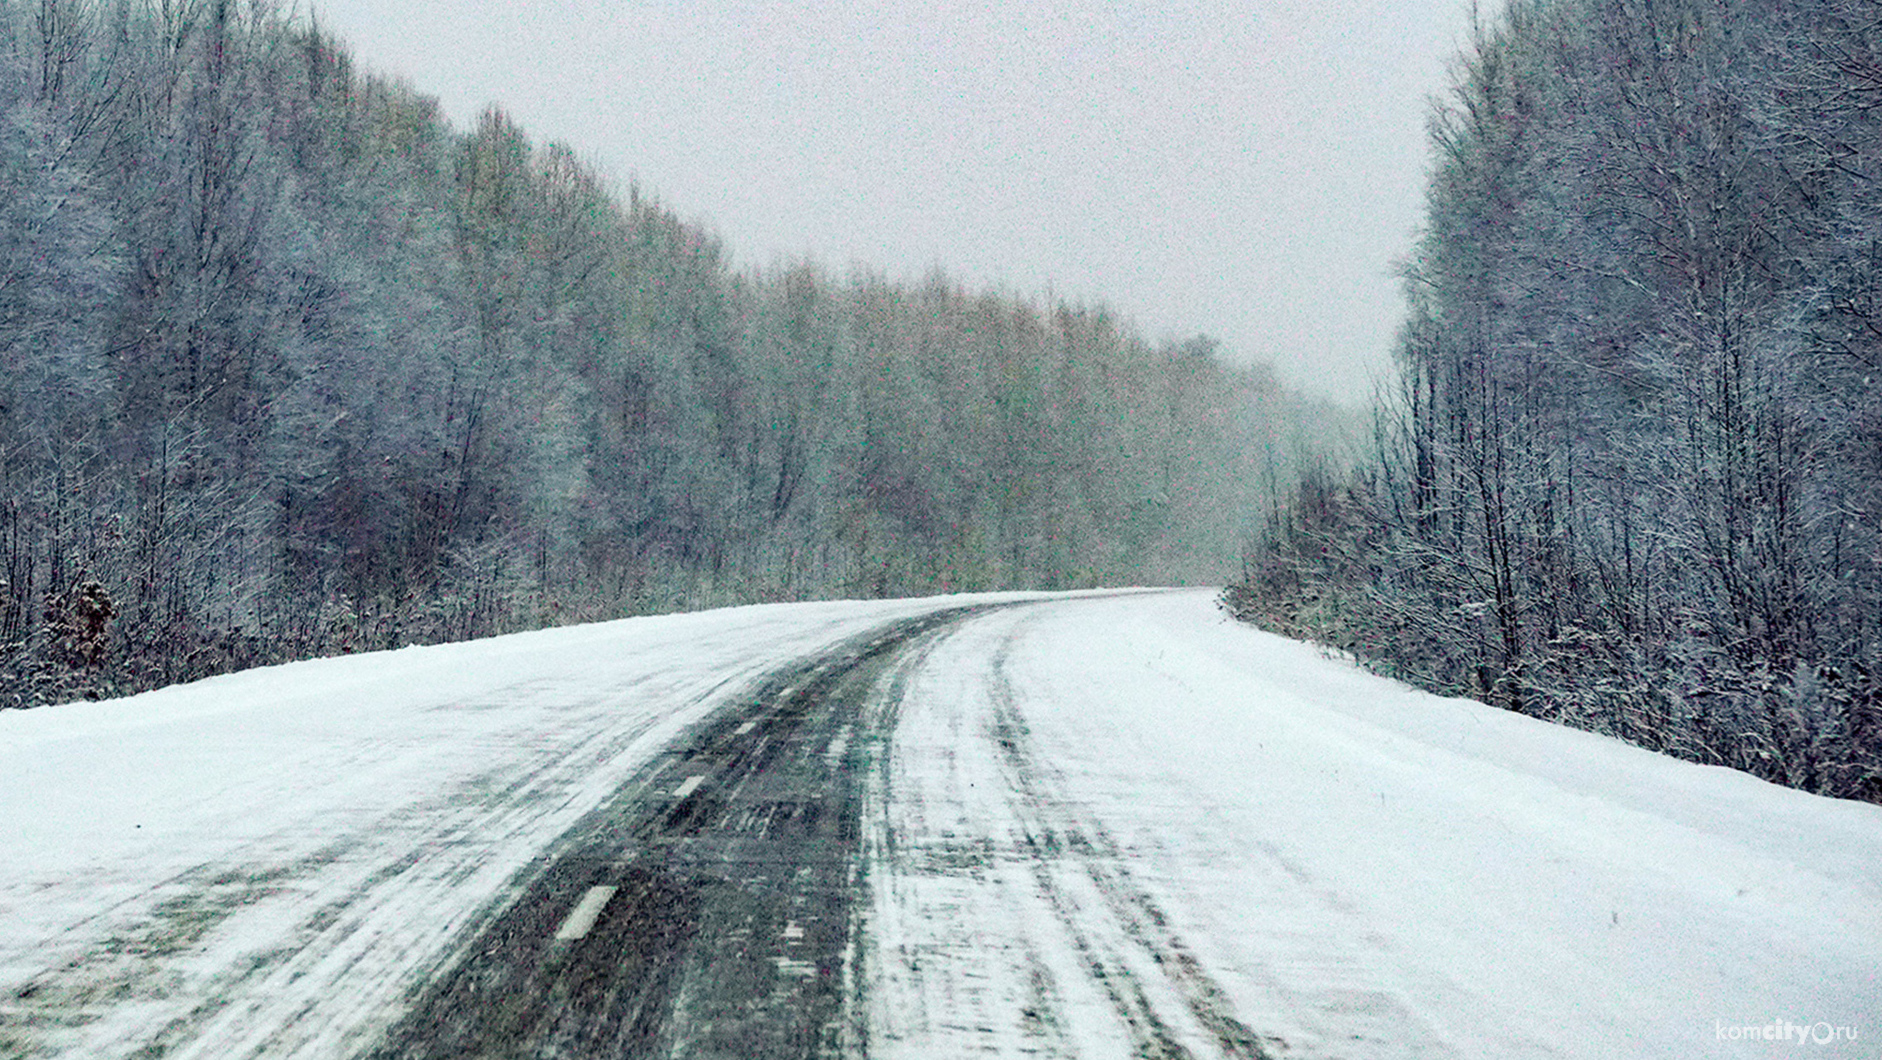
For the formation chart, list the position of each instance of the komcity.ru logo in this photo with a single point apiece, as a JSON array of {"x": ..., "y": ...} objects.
[{"x": 1819, "y": 1033}]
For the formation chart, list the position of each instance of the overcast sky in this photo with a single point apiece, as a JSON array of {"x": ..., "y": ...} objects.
[{"x": 1244, "y": 170}]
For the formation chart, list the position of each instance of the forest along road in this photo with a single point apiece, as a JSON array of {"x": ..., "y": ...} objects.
[{"x": 711, "y": 908}]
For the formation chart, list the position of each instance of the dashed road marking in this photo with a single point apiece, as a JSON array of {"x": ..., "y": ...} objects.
[
  {"x": 691, "y": 785},
  {"x": 745, "y": 728},
  {"x": 789, "y": 966},
  {"x": 582, "y": 918}
]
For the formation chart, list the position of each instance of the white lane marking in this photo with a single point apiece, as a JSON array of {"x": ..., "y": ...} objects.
[
  {"x": 793, "y": 931},
  {"x": 801, "y": 969},
  {"x": 691, "y": 785},
  {"x": 582, "y": 918},
  {"x": 745, "y": 728}
]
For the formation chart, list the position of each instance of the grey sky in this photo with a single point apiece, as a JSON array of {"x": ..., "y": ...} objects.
[{"x": 1245, "y": 170}]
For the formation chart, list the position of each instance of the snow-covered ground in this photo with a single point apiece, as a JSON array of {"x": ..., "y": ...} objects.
[
  {"x": 1108, "y": 819},
  {"x": 1108, "y": 826}
]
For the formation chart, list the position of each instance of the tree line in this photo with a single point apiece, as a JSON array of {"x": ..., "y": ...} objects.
[
  {"x": 1630, "y": 474},
  {"x": 293, "y": 367}
]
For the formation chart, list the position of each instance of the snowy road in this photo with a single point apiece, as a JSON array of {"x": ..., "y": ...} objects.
[
  {"x": 1086, "y": 826},
  {"x": 708, "y": 908}
]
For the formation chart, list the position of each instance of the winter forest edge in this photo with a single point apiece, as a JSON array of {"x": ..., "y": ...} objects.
[
  {"x": 294, "y": 368},
  {"x": 1630, "y": 478}
]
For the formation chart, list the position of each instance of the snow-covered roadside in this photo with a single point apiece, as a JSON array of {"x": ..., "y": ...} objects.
[
  {"x": 197, "y": 868},
  {"x": 1117, "y": 825}
]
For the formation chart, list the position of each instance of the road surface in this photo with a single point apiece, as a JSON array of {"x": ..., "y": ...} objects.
[
  {"x": 1075, "y": 826},
  {"x": 710, "y": 909}
]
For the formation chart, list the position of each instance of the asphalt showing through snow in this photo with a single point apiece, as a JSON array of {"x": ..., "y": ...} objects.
[{"x": 708, "y": 910}]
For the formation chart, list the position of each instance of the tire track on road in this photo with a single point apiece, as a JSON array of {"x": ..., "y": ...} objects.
[
  {"x": 709, "y": 908},
  {"x": 1012, "y": 920},
  {"x": 1056, "y": 833}
]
